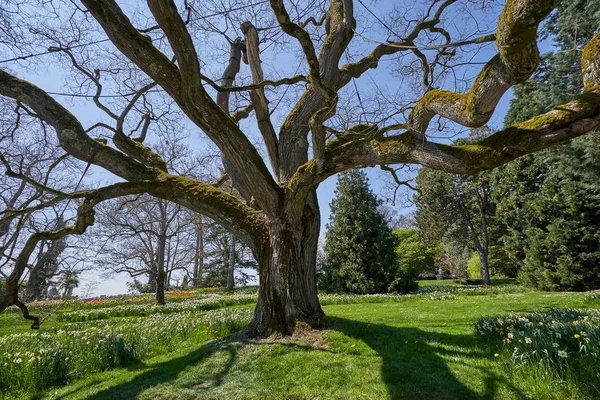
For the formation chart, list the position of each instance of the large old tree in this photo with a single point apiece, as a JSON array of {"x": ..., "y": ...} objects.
[{"x": 277, "y": 212}]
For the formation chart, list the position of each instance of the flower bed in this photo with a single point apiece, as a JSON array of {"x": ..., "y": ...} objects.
[{"x": 38, "y": 360}]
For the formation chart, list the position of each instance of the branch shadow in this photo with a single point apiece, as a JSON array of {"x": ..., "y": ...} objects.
[
  {"x": 168, "y": 371},
  {"x": 414, "y": 362}
]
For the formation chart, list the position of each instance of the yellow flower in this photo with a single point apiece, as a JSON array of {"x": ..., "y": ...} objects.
[
  {"x": 576, "y": 336},
  {"x": 496, "y": 354},
  {"x": 353, "y": 346}
]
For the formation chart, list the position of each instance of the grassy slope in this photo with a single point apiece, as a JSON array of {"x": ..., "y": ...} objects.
[{"x": 418, "y": 349}]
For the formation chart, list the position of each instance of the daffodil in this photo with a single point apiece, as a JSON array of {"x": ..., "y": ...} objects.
[{"x": 562, "y": 354}]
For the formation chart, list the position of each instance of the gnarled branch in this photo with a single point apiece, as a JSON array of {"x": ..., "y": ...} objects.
[{"x": 517, "y": 59}]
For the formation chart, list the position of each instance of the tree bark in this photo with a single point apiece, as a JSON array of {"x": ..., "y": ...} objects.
[
  {"x": 160, "y": 273},
  {"x": 33, "y": 287},
  {"x": 231, "y": 263},
  {"x": 484, "y": 255},
  {"x": 199, "y": 253},
  {"x": 288, "y": 291},
  {"x": 485, "y": 271},
  {"x": 482, "y": 248}
]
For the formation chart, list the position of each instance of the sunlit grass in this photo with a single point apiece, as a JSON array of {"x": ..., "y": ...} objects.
[{"x": 374, "y": 347}]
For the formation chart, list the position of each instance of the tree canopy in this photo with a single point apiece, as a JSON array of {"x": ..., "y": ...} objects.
[{"x": 147, "y": 66}]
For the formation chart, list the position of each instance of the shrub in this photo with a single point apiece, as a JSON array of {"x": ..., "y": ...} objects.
[{"x": 474, "y": 267}]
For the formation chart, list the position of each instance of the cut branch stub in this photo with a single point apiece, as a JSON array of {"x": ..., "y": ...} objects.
[{"x": 590, "y": 64}]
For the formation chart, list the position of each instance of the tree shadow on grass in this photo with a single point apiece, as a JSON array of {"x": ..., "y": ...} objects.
[
  {"x": 170, "y": 370},
  {"x": 414, "y": 363}
]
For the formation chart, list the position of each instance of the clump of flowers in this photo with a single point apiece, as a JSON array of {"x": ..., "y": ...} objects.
[
  {"x": 592, "y": 295},
  {"x": 565, "y": 342},
  {"x": 56, "y": 356}
]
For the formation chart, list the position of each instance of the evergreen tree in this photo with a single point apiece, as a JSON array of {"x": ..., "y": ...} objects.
[
  {"x": 550, "y": 200},
  {"x": 360, "y": 248}
]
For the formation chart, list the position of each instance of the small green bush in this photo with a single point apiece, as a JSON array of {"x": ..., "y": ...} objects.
[{"x": 474, "y": 267}]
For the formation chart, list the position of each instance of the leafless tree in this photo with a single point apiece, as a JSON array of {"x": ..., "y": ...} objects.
[
  {"x": 144, "y": 236},
  {"x": 175, "y": 52}
]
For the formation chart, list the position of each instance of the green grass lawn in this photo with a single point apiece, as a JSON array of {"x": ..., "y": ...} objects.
[{"x": 414, "y": 349}]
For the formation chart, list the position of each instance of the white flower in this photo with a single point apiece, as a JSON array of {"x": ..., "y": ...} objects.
[{"x": 562, "y": 354}]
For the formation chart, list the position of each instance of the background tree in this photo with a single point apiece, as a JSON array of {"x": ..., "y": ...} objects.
[
  {"x": 226, "y": 259},
  {"x": 550, "y": 200},
  {"x": 414, "y": 257},
  {"x": 88, "y": 289},
  {"x": 31, "y": 164},
  {"x": 359, "y": 245},
  {"x": 457, "y": 208},
  {"x": 186, "y": 57},
  {"x": 69, "y": 280},
  {"x": 148, "y": 237}
]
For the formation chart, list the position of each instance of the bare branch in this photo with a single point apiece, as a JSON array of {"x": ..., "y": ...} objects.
[{"x": 259, "y": 100}]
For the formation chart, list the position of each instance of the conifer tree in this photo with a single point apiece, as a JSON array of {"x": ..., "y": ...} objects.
[
  {"x": 550, "y": 200},
  {"x": 360, "y": 247}
]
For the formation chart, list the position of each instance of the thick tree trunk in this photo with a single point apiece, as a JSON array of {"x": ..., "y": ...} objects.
[
  {"x": 152, "y": 278},
  {"x": 159, "y": 297},
  {"x": 34, "y": 284},
  {"x": 46, "y": 266},
  {"x": 288, "y": 289},
  {"x": 484, "y": 253}
]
